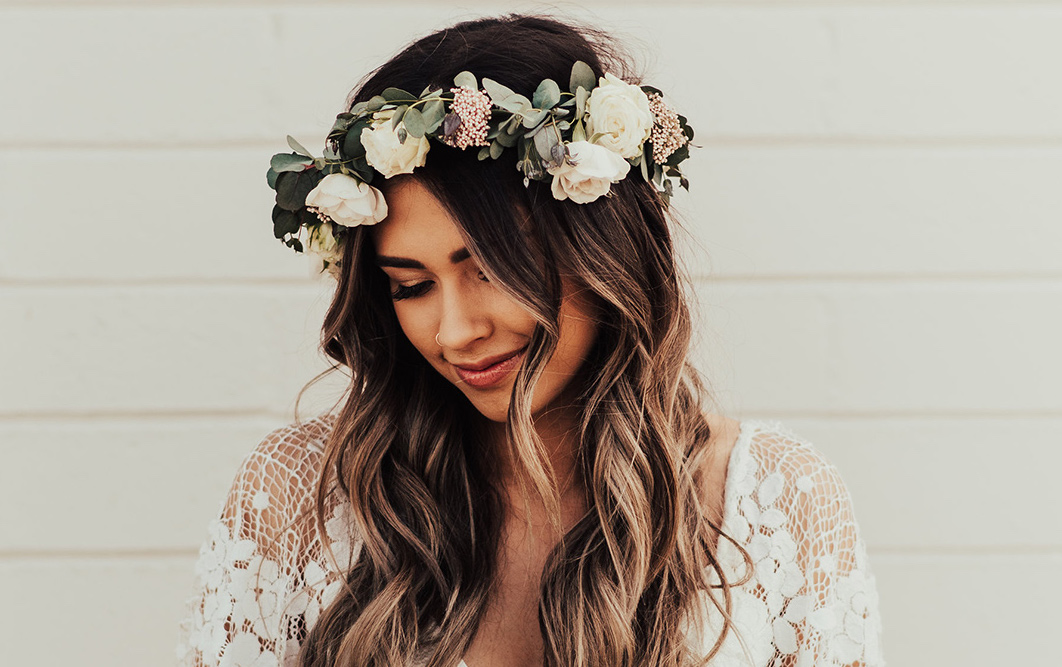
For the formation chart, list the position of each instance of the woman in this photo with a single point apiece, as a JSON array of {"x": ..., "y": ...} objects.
[{"x": 522, "y": 472}]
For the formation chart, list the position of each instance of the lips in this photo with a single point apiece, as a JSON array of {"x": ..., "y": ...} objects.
[{"x": 491, "y": 371}]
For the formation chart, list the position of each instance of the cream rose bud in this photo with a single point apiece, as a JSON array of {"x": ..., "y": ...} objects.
[
  {"x": 389, "y": 156},
  {"x": 347, "y": 201},
  {"x": 619, "y": 111},
  {"x": 321, "y": 241},
  {"x": 593, "y": 170}
]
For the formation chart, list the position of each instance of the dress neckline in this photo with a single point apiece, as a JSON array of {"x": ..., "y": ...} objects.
[{"x": 734, "y": 467}]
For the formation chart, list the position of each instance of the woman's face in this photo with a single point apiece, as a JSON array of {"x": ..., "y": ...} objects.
[{"x": 468, "y": 329}]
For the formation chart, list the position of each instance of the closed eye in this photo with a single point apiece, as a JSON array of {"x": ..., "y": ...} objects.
[{"x": 409, "y": 291}]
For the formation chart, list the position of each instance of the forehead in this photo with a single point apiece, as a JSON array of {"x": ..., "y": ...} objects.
[{"x": 417, "y": 224}]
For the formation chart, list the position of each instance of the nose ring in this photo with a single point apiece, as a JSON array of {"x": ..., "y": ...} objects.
[{"x": 437, "y": 340}]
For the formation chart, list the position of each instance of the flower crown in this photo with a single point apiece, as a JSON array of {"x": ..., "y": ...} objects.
[{"x": 584, "y": 139}]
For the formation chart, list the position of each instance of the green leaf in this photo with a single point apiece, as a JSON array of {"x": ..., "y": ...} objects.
[
  {"x": 544, "y": 143},
  {"x": 414, "y": 122},
  {"x": 284, "y": 222},
  {"x": 397, "y": 117},
  {"x": 484, "y": 153},
  {"x": 496, "y": 149},
  {"x": 376, "y": 103},
  {"x": 581, "y": 96},
  {"x": 297, "y": 147},
  {"x": 547, "y": 94},
  {"x": 514, "y": 103},
  {"x": 466, "y": 80},
  {"x": 497, "y": 92},
  {"x": 397, "y": 94},
  {"x": 352, "y": 147},
  {"x": 533, "y": 117},
  {"x": 433, "y": 114},
  {"x": 290, "y": 162},
  {"x": 579, "y": 133},
  {"x": 644, "y": 164},
  {"x": 582, "y": 76},
  {"x": 505, "y": 139},
  {"x": 292, "y": 188},
  {"x": 679, "y": 155},
  {"x": 271, "y": 178}
]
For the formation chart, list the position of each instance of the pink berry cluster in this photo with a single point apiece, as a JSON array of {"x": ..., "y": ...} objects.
[
  {"x": 667, "y": 135},
  {"x": 473, "y": 108}
]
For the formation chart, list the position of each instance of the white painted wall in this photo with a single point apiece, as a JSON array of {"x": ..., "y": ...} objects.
[{"x": 879, "y": 197}]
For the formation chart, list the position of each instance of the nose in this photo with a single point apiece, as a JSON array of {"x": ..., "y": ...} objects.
[{"x": 464, "y": 320}]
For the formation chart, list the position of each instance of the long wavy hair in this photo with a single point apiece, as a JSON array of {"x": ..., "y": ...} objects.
[{"x": 407, "y": 449}]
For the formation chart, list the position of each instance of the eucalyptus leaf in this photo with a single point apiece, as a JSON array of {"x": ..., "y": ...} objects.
[
  {"x": 397, "y": 117},
  {"x": 433, "y": 113},
  {"x": 414, "y": 123},
  {"x": 505, "y": 139},
  {"x": 582, "y": 76},
  {"x": 515, "y": 103},
  {"x": 547, "y": 94},
  {"x": 397, "y": 95},
  {"x": 376, "y": 103},
  {"x": 271, "y": 178},
  {"x": 466, "y": 80},
  {"x": 484, "y": 153},
  {"x": 579, "y": 133},
  {"x": 496, "y": 149},
  {"x": 497, "y": 91},
  {"x": 544, "y": 143},
  {"x": 533, "y": 117},
  {"x": 581, "y": 96},
  {"x": 290, "y": 162},
  {"x": 284, "y": 222},
  {"x": 297, "y": 147},
  {"x": 512, "y": 126}
]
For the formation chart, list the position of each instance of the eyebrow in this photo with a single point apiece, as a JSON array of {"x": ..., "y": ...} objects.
[{"x": 456, "y": 257}]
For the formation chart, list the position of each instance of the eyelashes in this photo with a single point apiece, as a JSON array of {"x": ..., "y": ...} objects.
[
  {"x": 404, "y": 292},
  {"x": 410, "y": 291}
]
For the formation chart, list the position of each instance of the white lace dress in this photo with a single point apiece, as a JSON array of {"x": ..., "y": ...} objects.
[{"x": 812, "y": 601}]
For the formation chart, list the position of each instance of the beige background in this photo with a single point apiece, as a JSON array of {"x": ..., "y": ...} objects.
[{"x": 878, "y": 203}]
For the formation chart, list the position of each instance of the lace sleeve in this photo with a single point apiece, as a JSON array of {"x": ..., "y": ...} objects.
[
  {"x": 826, "y": 594},
  {"x": 247, "y": 610}
]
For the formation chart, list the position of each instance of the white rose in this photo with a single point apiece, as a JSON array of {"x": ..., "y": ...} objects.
[
  {"x": 348, "y": 201},
  {"x": 593, "y": 171},
  {"x": 619, "y": 111},
  {"x": 387, "y": 155}
]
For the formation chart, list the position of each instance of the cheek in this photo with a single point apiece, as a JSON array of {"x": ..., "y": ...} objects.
[{"x": 419, "y": 326}]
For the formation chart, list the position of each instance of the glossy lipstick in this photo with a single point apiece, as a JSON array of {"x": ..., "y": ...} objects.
[{"x": 491, "y": 374}]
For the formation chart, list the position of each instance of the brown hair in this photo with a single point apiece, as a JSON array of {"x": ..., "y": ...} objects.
[{"x": 405, "y": 450}]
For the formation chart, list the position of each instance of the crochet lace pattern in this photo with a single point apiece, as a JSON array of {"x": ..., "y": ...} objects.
[{"x": 263, "y": 576}]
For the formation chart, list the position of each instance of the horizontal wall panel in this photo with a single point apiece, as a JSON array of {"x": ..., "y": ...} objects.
[
  {"x": 880, "y": 348},
  {"x": 155, "y": 76},
  {"x": 61, "y": 612},
  {"x": 814, "y": 71},
  {"x": 158, "y": 349},
  {"x": 132, "y": 485},
  {"x": 820, "y": 71},
  {"x": 968, "y": 609},
  {"x": 947, "y": 483},
  {"x": 195, "y": 214},
  {"x": 874, "y": 211}
]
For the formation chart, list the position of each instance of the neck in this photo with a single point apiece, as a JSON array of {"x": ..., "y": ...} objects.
[{"x": 559, "y": 431}]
